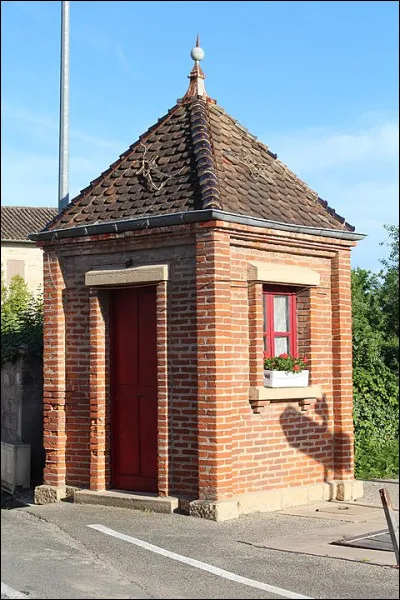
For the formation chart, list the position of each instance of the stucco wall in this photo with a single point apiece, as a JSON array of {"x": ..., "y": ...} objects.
[
  {"x": 11, "y": 402},
  {"x": 33, "y": 262},
  {"x": 22, "y": 409}
]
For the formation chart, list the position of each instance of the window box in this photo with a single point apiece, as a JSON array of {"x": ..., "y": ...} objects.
[{"x": 282, "y": 379}]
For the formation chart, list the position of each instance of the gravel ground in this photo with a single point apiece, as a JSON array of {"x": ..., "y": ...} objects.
[
  {"x": 371, "y": 491},
  {"x": 51, "y": 551}
]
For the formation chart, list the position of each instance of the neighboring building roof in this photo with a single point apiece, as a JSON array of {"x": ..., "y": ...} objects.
[
  {"x": 198, "y": 157},
  {"x": 17, "y": 222}
]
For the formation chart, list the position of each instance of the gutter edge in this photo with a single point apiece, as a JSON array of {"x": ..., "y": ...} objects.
[{"x": 196, "y": 216}]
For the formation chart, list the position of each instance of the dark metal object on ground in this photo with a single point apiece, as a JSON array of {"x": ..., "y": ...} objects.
[
  {"x": 391, "y": 521},
  {"x": 376, "y": 540}
]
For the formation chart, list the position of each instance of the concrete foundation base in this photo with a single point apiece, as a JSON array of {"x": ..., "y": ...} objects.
[
  {"x": 273, "y": 500},
  {"x": 214, "y": 510},
  {"x": 47, "y": 494},
  {"x": 349, "y": 490}
]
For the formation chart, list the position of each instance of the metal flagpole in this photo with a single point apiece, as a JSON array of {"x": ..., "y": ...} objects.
[{"x": 63, "y": 174}]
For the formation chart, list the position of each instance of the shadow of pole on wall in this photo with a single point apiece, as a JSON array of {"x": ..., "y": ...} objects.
[{"x": 332, "y": 449}]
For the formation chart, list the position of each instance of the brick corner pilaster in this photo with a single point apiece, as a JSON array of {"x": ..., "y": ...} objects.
[
  {"x": 214, "y": 360},
  {"x": 54, "y": 434},
  {"x": 342, "y": 366},
  {"x": 98, "y": 323}
]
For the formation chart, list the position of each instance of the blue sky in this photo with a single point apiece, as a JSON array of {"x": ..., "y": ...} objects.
[{"x": 315, "y": 81}]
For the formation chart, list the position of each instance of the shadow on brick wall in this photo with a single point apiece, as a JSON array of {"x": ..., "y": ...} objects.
[{"x": 333, "y": 450}]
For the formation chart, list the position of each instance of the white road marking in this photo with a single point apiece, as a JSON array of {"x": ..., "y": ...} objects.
[
  {"x": 199, "y": 565},
  {"x": 6, "y": 590},
  {"x": 367, "y": 537}
]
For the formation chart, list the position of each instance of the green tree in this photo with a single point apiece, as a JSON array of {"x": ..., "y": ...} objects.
[
  {"x": 21, "y": 320},
  {"x": 375, "y": 366},
  {"x": 15, "y": 300},
  {"x": 390, "y": 299}
]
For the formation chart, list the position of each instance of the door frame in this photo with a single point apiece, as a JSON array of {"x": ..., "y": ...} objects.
[{"x": 105, "y": 280}]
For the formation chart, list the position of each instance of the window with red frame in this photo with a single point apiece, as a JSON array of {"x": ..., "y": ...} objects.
[{"x": 280, "y": 323}]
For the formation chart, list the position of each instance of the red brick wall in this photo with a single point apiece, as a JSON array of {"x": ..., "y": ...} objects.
[
  {"x": 284, "y": 446},
  {"x": 54, "y": 434},
  {"x": 182, "y": 439},
  {"x": 342, "y": 365},
  {"x": 77, "y": 355},
  {"x": 99, "y": 388},
  {"x": 214, "y": 351},
  {"x": 212, "y": 445},
  {"x": 85, "y": 363}
]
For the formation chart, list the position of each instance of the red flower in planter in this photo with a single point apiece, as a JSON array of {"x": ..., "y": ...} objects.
[{"x": 284, "y": 362}]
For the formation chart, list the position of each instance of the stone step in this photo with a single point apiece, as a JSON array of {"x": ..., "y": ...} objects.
[{"x": 122, "y": 499}]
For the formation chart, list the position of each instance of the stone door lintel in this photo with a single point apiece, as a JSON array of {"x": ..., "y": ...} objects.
[{"x": 130, "y": 276}]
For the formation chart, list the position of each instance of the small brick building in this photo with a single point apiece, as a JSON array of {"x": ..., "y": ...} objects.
[{"x": 164, "y": 281}]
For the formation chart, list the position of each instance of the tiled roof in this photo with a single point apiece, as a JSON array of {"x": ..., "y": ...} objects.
[
  {"x": 18, "y": 221},
  {"x": 198, "y": 157}
]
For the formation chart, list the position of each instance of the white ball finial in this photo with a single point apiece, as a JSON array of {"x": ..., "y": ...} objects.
[{"x": 197, "y": 53}]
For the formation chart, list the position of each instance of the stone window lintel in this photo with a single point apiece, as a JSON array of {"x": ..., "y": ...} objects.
[{"x": 282, "y": 274}]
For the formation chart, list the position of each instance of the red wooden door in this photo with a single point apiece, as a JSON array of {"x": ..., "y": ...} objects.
[{"x": 134, "y": 389}]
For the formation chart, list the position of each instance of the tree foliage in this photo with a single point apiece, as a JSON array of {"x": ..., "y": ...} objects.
[
  {"x": 390, "y": 299},
  {"x": 376, "y": 365},
  {"x": 21, "y": 320}
]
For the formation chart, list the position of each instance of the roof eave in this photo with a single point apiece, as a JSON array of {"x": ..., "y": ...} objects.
[
  {"x": 12, "y": 241},
  {"x": 196, "y": 216}
]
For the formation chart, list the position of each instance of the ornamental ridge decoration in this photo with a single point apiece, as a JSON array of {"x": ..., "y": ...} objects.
[
  {"x": 257, "y": 170},
  {"x": 149, "y": 170}
]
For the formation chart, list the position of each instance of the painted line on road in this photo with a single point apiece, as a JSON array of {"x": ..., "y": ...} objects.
[
  {"x": 6, "y": 590},
  {"x": 198, "y": 564},
  {"x": 367, "y": 536}
]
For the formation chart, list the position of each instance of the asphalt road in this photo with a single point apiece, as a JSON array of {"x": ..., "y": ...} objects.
[{"x": 52, "y": 552}]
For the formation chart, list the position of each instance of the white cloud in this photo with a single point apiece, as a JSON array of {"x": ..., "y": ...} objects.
[
  {"x": 48, "y": 124},
  {"x": 29, "y": 179},
  {"x": 355, "y": 170},
  {"x": 376, "y": 198},
  {"x": 30, "y": 176},
  {"x": 24, "y": 115},
  {"x": 101, "y": 41},
  {"x": 313, "y": 150},
  {"x": 122, "y": 58}
]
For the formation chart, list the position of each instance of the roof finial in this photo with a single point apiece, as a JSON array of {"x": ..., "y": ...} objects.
[
  {"x": 197, "y": 77},
  {"x": 197, "y": 53}
]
